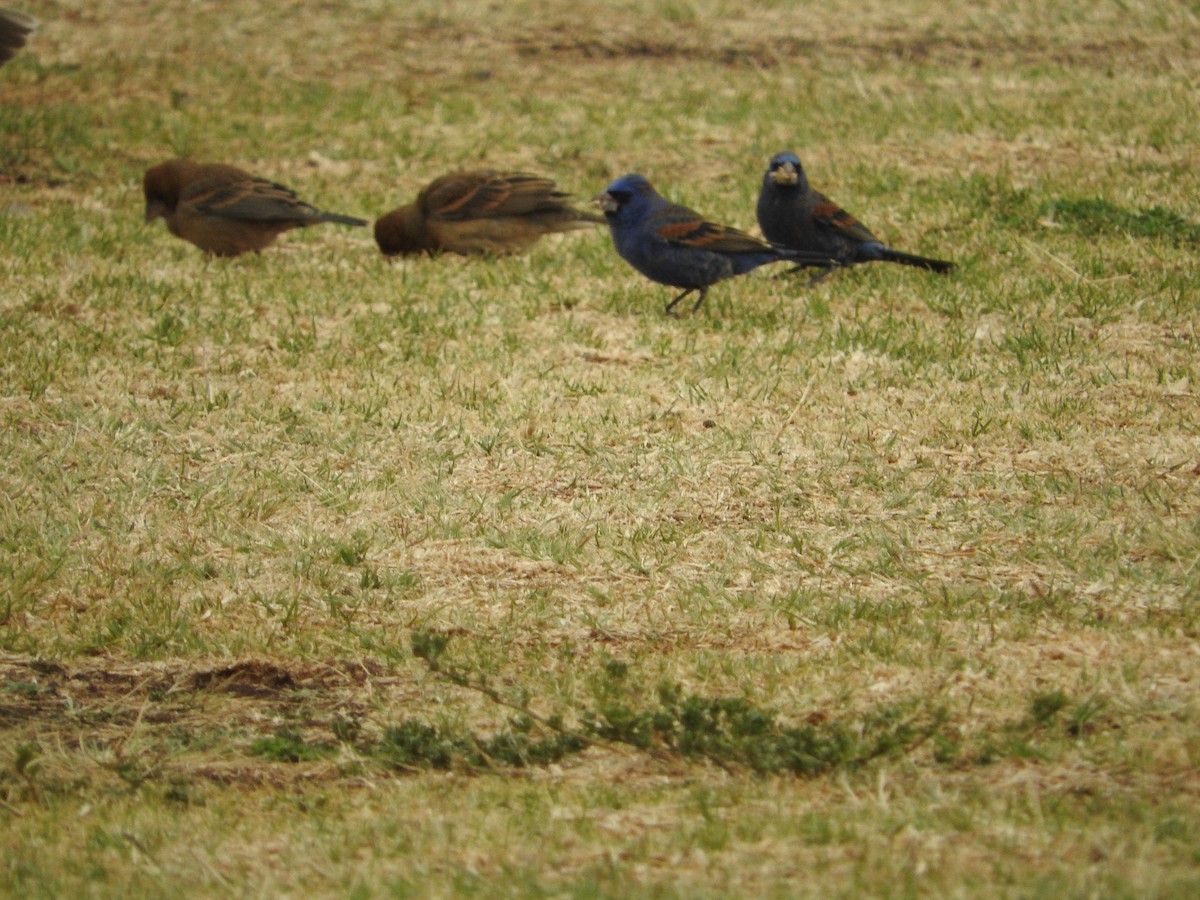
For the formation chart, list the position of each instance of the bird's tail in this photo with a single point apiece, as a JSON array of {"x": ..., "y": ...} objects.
[
  {"x": 940, "y": 266},
  {"x": 566, "y": 218},
  {"x": 341, "y": 220}
]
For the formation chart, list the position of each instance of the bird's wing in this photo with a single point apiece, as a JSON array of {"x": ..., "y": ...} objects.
[
  {"x": 14, "y": 28},
  {"x": 481, "y": 195},
  {"x": 829, "y": 215},
  {"x": 253, "y": 199},
  {"x": 683, "y": 227}
]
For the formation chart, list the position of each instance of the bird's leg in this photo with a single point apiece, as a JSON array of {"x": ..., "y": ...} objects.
[
  {"x": 821, "y": 276},
  {"x": 812, "y": 265},
  {"x": 699, "y": 300},
  {"x": 671, "y": 305}
]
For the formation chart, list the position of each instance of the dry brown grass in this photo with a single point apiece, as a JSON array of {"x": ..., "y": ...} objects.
[{"x": 232, "y": 493}]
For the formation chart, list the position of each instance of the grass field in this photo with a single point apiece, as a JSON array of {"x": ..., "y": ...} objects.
[{"x": 327, "y": 576}]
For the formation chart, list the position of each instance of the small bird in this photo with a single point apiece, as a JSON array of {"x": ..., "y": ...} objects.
[
  {"x": 479, "y": 212},
  {"x": 14, "y": 28},
  {"x": 792, "y": 214},
  {"x": 676, "y": 246},
  {"x": 225, "y": 211}
]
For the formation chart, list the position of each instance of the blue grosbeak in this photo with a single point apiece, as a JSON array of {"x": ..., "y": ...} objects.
[
  {"x": 479, "y": 212},
  {"x": 792, "y": 214},
  {"x": 223, "y": 210},
  {"x": 675, "y": 246},
  {"x": 14, "y": 28}
]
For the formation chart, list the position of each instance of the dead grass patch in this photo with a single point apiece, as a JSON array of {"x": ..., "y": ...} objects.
[{"x": 231, "y": 495}]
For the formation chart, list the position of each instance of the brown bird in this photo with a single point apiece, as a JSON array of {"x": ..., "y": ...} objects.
[
  {"x": 479, "y": 212},
  {"x": 14, "y": 28},
  {"x": 223, "y": 210}
]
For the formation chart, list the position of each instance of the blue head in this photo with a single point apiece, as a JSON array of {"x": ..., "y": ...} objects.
[
  {"x": 784, "y": 171},
  {"x": 628, "y": 199}
]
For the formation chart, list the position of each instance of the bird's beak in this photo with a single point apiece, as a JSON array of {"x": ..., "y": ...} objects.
[
  {"x": 155, "y": 210},
  {"x": 785, "y": 174},
  {"x": 607, "y": 202}
]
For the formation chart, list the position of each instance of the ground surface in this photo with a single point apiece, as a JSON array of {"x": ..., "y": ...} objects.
[{"x": 322, "y": 575}]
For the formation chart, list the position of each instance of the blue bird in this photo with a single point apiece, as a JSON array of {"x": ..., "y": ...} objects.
[
  {"x": 792, "y": 214},
  {"x": 676, "y": 246}
]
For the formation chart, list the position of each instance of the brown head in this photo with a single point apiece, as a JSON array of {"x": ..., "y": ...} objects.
[
  {"x": 162, "y": 186},
  {"x": 404, "y": 232}
]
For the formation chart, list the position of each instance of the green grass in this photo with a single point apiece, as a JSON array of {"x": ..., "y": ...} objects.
[{"x": 323, "y": 575}]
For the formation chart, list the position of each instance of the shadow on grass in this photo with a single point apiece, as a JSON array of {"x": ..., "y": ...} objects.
[{"x": 1094, "y": 216}]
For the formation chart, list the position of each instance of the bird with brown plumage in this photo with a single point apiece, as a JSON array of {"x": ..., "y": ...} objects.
[
  {"x": 224, "y": 210},
  {"x": 478, "y": 213}
]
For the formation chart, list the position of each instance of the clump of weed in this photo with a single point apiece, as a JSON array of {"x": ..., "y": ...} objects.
[
  {"x": 415, "y": 744},
  {"x": 732, "y": 732},
  {"x": 735, "y": 731},
  {"x": 289, "y": 746},
  {"x": 1052, "y": 718}
]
